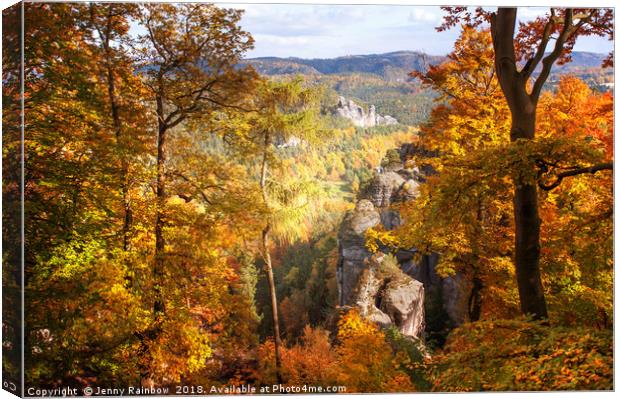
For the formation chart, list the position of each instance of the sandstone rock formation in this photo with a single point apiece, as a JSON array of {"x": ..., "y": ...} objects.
[
  {"x": 350, "y": 110},
  {"x": 392, "y": 298},
  {"x": 352, "y": 248},
  {"x": 387, "y": 296},
  {"x": 385, "y": 299},
  {"x": 383, "y": 189}
]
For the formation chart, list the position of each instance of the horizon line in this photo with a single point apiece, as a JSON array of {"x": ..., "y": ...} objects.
[{"x": 387, "y": 53}]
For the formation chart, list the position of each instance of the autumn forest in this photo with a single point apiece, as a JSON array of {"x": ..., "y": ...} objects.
[{"x": 198, "y": 221}]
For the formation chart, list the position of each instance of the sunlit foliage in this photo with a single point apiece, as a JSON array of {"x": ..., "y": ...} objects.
[{"x": 162, "y": 180}]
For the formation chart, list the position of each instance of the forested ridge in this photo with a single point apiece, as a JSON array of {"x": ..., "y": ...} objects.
[{"x": 190, "y": 221}]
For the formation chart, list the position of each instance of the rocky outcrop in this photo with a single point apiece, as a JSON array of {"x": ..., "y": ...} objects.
[
  {"x": 387, "y": 296},
  {"x": 383, "y": 189},
  {"x": 397, "y": 298},
  {"x": 352, "y": 248},
  {"x": 350, "y": 110},
  {"x": 386, "y": 119},
  {"x": 389, "y": 187}
]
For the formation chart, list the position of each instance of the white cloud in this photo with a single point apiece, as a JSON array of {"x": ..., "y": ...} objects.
[
  {"x": 325, "y": 31},
  {"x": 525, "y": 14},
  {"x": 424, "y": 15},
  {"x": 296, "y": 19}
]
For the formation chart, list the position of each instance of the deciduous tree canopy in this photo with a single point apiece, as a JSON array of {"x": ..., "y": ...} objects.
[{"x": 184, "y": 215}]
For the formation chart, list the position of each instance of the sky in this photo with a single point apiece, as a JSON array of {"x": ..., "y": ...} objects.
[{"x": 328, "y": 31}]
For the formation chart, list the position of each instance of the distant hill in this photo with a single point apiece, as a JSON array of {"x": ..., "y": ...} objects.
[
  {"x": 382, "y": 79},
  {"x": 587, "y": 66},
  {"x": 378, "y": 79},
  {"x": 583, "y": 59},
  {"x": 391, "y": 66}
]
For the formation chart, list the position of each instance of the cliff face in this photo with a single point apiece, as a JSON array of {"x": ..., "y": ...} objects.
[
  {"x": 350, "y": 110},
  {"x": 387, "y": 296},
  {"x": 400, "y": 297}
]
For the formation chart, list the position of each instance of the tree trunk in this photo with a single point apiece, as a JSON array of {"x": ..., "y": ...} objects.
[
  {"x": 160, "y": 243},
  {"x": 147, "y": 378},
  {"x": 116, "y": 120},
  {"x": 105, "y": 37},
  {"x": 525, "y": 200},
  {"x": 268, "y": 267},
  {"x": 527, "y": 231},
  {"x": 475, "y": 300},
  {"x": 274, "y": 302},
  {"x": 128, "y": 211},
  {"x": 475, "y": 297}
]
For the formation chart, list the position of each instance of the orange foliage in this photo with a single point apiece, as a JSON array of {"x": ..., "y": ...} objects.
[
  {"x": 531, "y": 357},
  {"x": 366, "y": 362}
]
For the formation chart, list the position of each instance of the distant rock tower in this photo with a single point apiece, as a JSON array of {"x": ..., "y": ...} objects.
[{"x": 355, "y": 113}]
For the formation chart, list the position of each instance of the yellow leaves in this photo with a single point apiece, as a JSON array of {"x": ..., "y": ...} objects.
[
  {"x": 464, "y": 212},
  {"x": 352, "y": 324},
  {"x": 175, "y": 200},
  {"x": 366, "y": 361},
  {"x": 180, "y": 349},
  {"x": 376, "y": 237},
  {"x": 374, "y": 147},
  {"x": 73, "y": 260},
  {"x": 501, "y": 264},
  {"x": 446, "y": 266}
]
